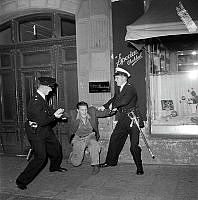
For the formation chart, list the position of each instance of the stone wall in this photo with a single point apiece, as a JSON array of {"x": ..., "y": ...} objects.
[{"x": 170, "y": 151}]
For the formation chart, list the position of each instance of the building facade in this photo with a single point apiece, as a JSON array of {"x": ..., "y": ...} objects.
[{"x": 79, "y": 42}]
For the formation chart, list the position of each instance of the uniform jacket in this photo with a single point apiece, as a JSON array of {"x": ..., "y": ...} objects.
[
  {"x": 94, "y": 115},
  {"x": 40, "y": 112},
  {"x": 125, "y": 101}
]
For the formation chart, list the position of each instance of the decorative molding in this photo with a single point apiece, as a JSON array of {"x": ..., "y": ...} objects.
[
  {"x": 8, "y": 7},
  {"x": 23, "y": 4},
  {"x": 70, "y": 6},
  {"x": 66, "y": 41},
  {"x": 53, "y": 3},
  {"x": 38, "y": 3}
]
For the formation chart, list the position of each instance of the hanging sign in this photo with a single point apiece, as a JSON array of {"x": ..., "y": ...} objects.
[{"x": 131, "y": 59}]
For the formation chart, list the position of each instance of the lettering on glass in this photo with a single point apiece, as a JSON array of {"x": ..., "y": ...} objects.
[{"x": 131, "y": 59}]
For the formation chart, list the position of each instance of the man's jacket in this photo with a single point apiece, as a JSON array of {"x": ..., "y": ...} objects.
[
  {"x": 40, "y": 112},
  {"x": 125, "y": 101},
  {"x": 94, "y": 115}
]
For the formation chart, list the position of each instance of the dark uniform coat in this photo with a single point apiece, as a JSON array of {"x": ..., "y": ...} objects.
[
  {"x": 124, "y": 101},
  {"x": 42, "y": 139},
  {"x": 40, "y": 112}
]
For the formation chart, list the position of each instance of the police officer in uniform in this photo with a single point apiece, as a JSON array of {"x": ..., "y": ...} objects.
[
  {"x": 124, "y": 100},
  {"x": 40, "y": 134}
]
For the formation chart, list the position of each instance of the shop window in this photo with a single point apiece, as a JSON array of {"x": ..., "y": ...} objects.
[
  {"x": 173, "y": 85},
  {"x": 187, "y": 60}
]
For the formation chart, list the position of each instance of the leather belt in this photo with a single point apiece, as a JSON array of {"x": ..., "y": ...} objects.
[
  {"x": 83, "y": 136},
  {"x": 127, "y": 110}
]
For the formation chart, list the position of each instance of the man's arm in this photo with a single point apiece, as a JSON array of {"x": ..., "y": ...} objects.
[
  {"x": 107, "y": 105},
  {"x": 41, "y": 116},
  {"x": 105, "y": 113},
  {"x": 100, "y": 113}
]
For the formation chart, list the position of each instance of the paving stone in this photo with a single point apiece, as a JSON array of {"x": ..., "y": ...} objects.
[{"x": 160, "y": 182}]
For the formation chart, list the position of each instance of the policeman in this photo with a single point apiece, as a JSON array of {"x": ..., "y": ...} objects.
[
  {"x": 40, "y": 134},
  {"x": 124, "y": 101}
]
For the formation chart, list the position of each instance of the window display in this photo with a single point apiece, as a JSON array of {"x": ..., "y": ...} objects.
[{"x": 173, "y": 87}]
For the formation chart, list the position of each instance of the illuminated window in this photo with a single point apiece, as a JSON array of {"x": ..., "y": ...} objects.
[{"x": 173, "y": 86}]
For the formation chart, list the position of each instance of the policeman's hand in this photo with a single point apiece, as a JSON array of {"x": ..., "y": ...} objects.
[
  {"x": 59, "y": 113},
  {"x": 102, "y": 108}
]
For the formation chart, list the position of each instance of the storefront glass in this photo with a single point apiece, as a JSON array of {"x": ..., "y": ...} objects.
[{"x": 173, "y": 77}]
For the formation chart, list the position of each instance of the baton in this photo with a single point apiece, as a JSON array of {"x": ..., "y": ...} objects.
[
  {"x": 30, "y": 153},
  {"x": 134, "y": 118}
]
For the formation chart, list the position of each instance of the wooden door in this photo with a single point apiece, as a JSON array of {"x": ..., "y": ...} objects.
[
  {"x": 19, "y": 71},
  {"x": 32, "y": 61},
  {"x": 9, "y": 131},
  {"x": 68, "y": 87}
]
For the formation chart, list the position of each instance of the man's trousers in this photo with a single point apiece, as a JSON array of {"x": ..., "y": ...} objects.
[
  {"x": 80, "y": 144},
  {"x": 118, "y": 139}
]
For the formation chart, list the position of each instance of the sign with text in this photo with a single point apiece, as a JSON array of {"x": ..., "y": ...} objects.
[
  {"x": 130, "y": 59},
  {"x": 97, "y": 87}
]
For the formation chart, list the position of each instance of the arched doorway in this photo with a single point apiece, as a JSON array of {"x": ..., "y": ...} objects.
[{"x": 31, "y": 46}]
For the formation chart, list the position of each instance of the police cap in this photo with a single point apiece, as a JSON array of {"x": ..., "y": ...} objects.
[
  {"x": 121, "y": 71},
  {"x": 48, "y": 81}
]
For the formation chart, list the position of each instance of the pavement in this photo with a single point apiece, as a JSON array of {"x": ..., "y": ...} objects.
[{"x": 159, "y": 182}]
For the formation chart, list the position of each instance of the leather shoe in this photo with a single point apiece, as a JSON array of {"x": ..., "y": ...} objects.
[
  {"x": 102, "y": 165},
  {"x": 140, "y": 172},
  {"x": 21, "y": 186},
  {"x": 60, "y": 169},
  {"x": 96, "y": 169}
]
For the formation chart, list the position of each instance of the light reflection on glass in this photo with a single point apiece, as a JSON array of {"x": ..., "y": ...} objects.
[{"x": 193, "y": 74}]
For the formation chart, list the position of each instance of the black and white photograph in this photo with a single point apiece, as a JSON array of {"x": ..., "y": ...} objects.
[{"x": 98, "y": 99}]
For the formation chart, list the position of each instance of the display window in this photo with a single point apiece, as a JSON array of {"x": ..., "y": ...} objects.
[{"x": 173, "y": 90}]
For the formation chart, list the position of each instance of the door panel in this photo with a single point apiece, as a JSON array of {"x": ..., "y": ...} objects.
[
  {"x": 9, "y": 135},
  {"x": 19, "y": 82},
  {"x": 29, "y": 80},
  {"x": 67, "y": 90},
  {"x": 7, "y": 90},
  {"x": 70, "y": 86},
  {"x": 29, "y": 86}
]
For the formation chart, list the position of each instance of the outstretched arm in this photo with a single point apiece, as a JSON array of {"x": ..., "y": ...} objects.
[{"x": 102, "y": 114}]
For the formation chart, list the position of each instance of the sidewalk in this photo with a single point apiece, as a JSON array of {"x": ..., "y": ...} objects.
[{"x": 160, "y": 182}]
